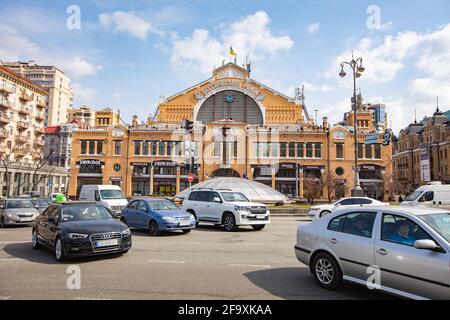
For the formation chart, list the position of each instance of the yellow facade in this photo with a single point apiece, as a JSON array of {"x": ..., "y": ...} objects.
[{"x": 241, "y": 128}]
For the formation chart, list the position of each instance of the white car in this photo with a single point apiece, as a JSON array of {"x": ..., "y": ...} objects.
[
  {"x": 400, "y": 250},
  {"x": 319, "y": 211},
  {"x": 227, "y": 208}
]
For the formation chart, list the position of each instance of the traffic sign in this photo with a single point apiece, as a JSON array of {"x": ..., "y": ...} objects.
[{"x": 190, "y": 177}]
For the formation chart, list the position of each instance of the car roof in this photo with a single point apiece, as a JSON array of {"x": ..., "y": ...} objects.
[
  {"x": 74, "y": 203},
  {"x": 18, "y": 199},
  {"x": 417, "y": 211}
]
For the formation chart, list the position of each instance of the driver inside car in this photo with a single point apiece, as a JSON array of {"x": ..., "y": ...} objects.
[{"x": 401, "y": 235}]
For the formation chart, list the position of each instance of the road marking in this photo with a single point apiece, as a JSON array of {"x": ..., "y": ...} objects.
[
  {"x": 250, "y": 265},
  {"x": 167, "y": 261},
  {"x": 4, "y": 297}
]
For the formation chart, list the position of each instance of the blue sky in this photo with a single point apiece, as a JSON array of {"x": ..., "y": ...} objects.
[{"x": 127, "y": 54}]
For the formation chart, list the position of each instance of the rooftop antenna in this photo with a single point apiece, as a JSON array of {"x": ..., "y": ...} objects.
[
  {"x": 437, "y": 104},
  {"x": 415, "y": 116}
]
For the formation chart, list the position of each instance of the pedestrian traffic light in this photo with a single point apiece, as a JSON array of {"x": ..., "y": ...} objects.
[{"x": 187, "y": 125}]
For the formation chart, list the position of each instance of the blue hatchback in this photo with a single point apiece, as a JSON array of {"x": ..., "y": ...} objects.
[{"x": 157, "y": 215}]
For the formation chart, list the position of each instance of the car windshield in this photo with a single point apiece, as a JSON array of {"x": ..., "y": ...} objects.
[
  {"x": 439, "y": 222},
  {"x": 40, "y": 203},
  {"x": 84, "y": 212},
  {"x": 16, "y": 204},
  {"x": 413, "y": 196},
  {"x": 234, "y": 197},
  {"x": 111, "y": 194},
  {"x": 161, "y": 205}
]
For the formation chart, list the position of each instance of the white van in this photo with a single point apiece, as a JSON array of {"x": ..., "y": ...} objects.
[
  {"x": 110, "y": 196},
  {"x": 431, "y": 195}
]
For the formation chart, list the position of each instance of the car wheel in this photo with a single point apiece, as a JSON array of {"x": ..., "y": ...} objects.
[
  {"x": 258, "y": 227},
  {"x": 326, "y": 271},
  {"x": 193, "y": 213},
  {"x": 34, "y": 240},
  {"x": 324, "y": 213},
  {"x": 229, "y": 223},
  {"x": 153, "y": 229},
  {"x": 59, "y": 250},
  {"x": 2, "y": 222},
  {"x": 187, "y": 230}
]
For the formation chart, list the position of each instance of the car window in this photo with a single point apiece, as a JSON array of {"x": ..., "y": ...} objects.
[
  {"x": 49, "y": 209},
  {"x": 359, "y": 223},
  {"x": 346, "y": 202},
  {"x": 203, "y": 196},
  {"x": 212, "y": 195},
  {"x": 141, "y": 206},
  {"x": 401, "y": 230},
  {"x": 363, "y": 201},
  {"x": 440, "y": 222},
  {"x": 337, "y": 224},
  {"x": 132, "y": 205},
  {"x": 193, "y": 196},
  {"x": 427, "y": 196},
  {"x": 17, "y": 204},
  {"x": 53, "y": 212}
]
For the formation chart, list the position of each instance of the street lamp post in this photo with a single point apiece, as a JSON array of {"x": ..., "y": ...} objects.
[{"x": 357, "y": 70}]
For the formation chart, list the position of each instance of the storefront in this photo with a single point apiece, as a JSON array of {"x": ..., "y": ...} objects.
[
  {"x": 371, "y": 180},
  {"x": 165, "y": 177},
  {"x": 286, "y": 179},
  {"x": 90, "y": 171},
  {"x": 140, "y": 179},
  {"x": 262, "y": 174}
]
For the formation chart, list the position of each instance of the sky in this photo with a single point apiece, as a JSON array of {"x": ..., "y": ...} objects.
[{"x": 127, "y": 55}]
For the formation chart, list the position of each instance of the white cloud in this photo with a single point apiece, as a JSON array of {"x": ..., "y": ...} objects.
[
  {"x": 128, "y": 22},
  {"x": 313, "y": 28},
  {"x": 78, "y": 67},
  {"x": 318, "y": 88},
  {"x": 249, "y": 36},
  {"x": 83, "y": 95},
  {"x": 15, "y": 46}
]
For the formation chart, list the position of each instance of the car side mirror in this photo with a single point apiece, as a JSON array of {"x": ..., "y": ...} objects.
[
  {"x": 426, "y": 244},
  {"x": 217, "y": 199},
  {"x": 337, "y": 204}
]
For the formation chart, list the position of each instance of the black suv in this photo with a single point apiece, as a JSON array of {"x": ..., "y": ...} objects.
[{"x": 80, "y": 228}]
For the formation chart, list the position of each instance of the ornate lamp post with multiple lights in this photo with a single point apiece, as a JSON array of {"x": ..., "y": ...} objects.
[{"x": 357, "y": 70}]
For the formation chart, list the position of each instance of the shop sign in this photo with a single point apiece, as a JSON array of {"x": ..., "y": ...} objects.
[
  {"x": 246, "y": 86},
  {"x": 287, "y": 165},
  {"x": 90, "y": 162},
  {"x": 115, "y": 179},
  {"x": 140, "y": 164},
  {"x": 165, "y": 164}
]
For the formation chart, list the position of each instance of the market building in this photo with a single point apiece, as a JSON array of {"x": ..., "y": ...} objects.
[{"x": 241, "y": 128}]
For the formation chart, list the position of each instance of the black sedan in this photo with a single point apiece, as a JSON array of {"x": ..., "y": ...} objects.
[{"x": 80, "y": 229}]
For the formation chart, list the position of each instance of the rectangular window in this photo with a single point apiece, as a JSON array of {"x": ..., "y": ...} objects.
[
  {"x": 300, "y": 150},
  {"x": 360, "y": 151},
  {"x": 255, "y": 149},
  {"x": 235, "y": 149},
  {"x": 178, "y": 148},
  {"x": 217, "y": 148},
  {"x": 264, "y": 150},
  {"x": 275, "y": 147},
  {"x": 154, "y": 148},
  {"x": 161, "y": 148},
  {"x": 170, "y": 148},
  {"x": 283, "y": 150},
  {"x": 137, "y": 148},
  {"x": 145, "y": 148},
  {"x": 91, "y": 147},
  {"x": 377, "y": 151},
  {"x": 83, "y": 147},
  {"x": 99, "y": 147},
  {"x": 309, "y": 150},
  {"x": 318, "y": 150},
  {"x": 339, "y": 151},
  {"x": 117, "y": 148},
  {"x": 368, "y": 153}
]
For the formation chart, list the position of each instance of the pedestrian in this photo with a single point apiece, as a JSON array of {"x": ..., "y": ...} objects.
[{"x": 400, "y": 198}]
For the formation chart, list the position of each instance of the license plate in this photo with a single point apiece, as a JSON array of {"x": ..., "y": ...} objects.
[
  {"x": 185, "y": 223},
  {"x": 107, "y": 243},
  {"x": 260, "y": 216},
  {"x": 25, "y": 219}
]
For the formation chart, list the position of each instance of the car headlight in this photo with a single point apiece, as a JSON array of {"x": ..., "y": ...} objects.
[
  {"x": 241, "y": 208},
  {"x": 192, "y": 218},
  {"x": 126, "y": 233},
  {"x": 11, "y": 215},
  {"x": 77, "y": 236},
  {"x": 168, "y": 218}
]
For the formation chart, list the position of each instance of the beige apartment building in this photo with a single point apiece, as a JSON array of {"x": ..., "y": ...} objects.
[
  {"x": 84, "y": 116},
  {"x": 59, "y": 96},
  {"x": 22, "y": 105}
]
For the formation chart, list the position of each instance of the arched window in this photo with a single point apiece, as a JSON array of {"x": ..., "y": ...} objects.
[{"x": 230, "y": 104}]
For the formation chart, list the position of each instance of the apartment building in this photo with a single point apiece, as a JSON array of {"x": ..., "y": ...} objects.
[
  {"x": 85, "y": 116},
  {"x": 59, "y": 94}
]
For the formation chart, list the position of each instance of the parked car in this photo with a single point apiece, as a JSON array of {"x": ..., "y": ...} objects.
[
  {"x": 227, "y": 208},
  {"x": 157, "y": 215},
  {"x": 40, "y": 204},
  {"x": 32, "y": 194},
  {"x": 409, "y": 247},
  {"x": 17, "y": 212},
  {"x": 110, "y": 196},
  {"x": 80, "y": 229},
  {"x": 432, "y": 195},
  {"x": 318, "y": 211}
]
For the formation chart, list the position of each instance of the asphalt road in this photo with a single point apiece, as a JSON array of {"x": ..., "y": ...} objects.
[{"x": 208, "y": 263}]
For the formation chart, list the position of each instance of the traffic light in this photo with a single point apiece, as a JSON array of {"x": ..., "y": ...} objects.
[{"x": 187, "y": 125}]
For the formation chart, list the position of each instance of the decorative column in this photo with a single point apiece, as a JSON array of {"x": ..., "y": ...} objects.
[
  {"x": 324, "y": 185},
  {"x": 177, "y": 183},
  {"x": 151, "y": 179},
  {"x": 273, "y": 178},
  {"x": 300, "y": 187}
]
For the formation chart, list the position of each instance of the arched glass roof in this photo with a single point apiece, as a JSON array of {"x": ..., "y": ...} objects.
[{"x": 253, "y": 190}]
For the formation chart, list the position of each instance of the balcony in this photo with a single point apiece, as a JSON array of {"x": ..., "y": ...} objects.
[
  {"x": 41, "y": 103},
  {"x": 4, "y": 119},
  {"x": 39, "y": 130},
  {"x": 40, "y": 117},
  {"x": 20, "y": 151},
  {"x": 4, "y": 103},
  {"x": 24, "y": 110},
  {"x": 36, "y": 155},
  {"x": 38, "y": 144},
  {"x": 6, "y": 88},
  {"x": 22, "y": 125},
  {"x": 25, "y": 97},
  {"x": 21, "y": 139},
  {"x": 4, "y": 134}
]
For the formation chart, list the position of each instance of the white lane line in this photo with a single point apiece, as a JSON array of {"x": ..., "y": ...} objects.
[
  {"x": 4, "y": 297},
  {"x": 167, "y": 261},
  {"x": 265, "y": 266}
]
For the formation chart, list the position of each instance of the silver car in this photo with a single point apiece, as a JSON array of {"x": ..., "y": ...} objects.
[
  {"x": 400, "y": 250},
  {"x": 17, "y": 212}
]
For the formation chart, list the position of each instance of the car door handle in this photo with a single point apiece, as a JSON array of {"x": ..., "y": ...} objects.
[
  {"x": 333, "y": 240},
  {"x": 382, "y": 251}
]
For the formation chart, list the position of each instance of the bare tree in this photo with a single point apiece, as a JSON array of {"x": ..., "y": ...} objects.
[{"x": 313, "y": 187}]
